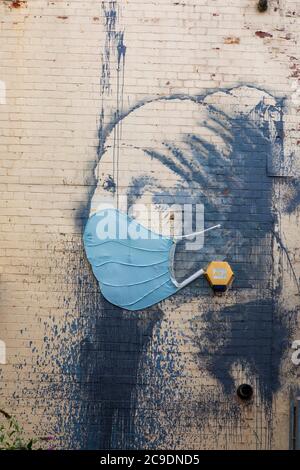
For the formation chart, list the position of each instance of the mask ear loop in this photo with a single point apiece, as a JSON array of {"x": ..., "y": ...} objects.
[
  {"x": 198, "y": 273},
  {"x": 180, "y": 237}
]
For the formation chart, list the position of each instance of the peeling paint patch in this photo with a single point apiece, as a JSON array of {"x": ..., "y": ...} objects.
[
  {"x": 248, "y": 329},
  {"x": 2, "y": 92},
  {"x": 18, "y": 4},
  {"x": 263, "y": 34},
  {"x": 232, "y": 40}
]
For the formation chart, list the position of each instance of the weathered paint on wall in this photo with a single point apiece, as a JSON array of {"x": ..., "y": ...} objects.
[{"x": 167, "y": 103}]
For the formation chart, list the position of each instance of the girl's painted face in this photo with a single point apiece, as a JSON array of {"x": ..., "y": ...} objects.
[{"x": 204, "y": 166}]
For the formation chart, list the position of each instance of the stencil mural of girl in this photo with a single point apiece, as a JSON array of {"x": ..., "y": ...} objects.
[{"x": 219, "y": 153}]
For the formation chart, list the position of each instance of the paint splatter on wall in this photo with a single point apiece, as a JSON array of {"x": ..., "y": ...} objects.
[
  {"x": 165, "y": 377},
  {"x": 223, "y": 157}
]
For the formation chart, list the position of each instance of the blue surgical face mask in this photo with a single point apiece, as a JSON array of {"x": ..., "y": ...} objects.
[{"x": 134, "y": 266}]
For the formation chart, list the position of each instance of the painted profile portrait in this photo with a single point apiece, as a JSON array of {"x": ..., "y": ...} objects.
[{"x": 224, "y": 153}]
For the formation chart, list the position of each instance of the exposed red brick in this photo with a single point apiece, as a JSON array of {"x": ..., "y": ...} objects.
[
  {"x": 17, "y": 4},
  {"x": 263, "y": 34}
]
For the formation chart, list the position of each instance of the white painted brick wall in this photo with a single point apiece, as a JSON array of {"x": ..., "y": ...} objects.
[{"x": 50, "y": 63}]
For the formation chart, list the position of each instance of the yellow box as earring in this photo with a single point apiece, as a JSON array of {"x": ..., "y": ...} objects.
[{"x": 219, "y": 275}]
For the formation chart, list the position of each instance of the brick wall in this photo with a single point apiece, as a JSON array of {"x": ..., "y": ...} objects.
[{"x": 168, "y": 103}]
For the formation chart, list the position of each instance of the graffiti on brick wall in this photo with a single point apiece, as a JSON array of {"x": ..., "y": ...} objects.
[
  {"x": 223, "y": 151},
  {"x": 217, "y": 151},
  {"x": 137, "y": 373},
  {"x": 296, "y": 353}
]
